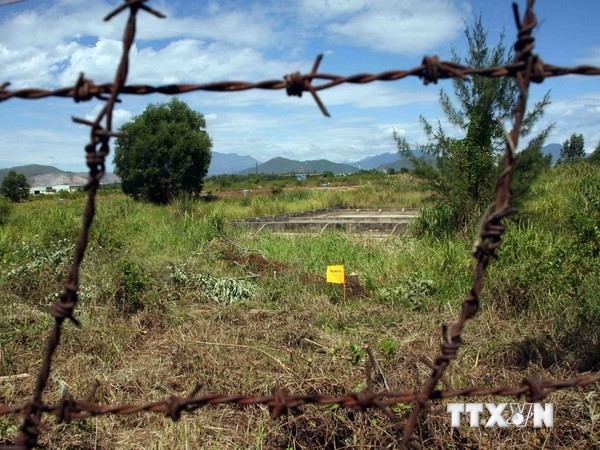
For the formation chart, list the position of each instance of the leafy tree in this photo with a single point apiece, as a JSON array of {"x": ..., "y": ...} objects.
[
  {"x": 165, "y": 154},
  {"x": 462, "y": 172},
  {"x": 15, "y": 186},
  {"x": 572, "y": 148},
  {"x": 594, "y": 158}
]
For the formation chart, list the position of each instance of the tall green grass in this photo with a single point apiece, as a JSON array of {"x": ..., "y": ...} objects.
[{"x": 548, "y": 268}]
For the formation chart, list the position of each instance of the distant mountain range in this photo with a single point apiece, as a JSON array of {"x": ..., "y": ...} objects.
[
  {"x": 375, "y": 162},
  {"x": 230, "y": 163},
  {"x": 552, "y": 149},
  {"x": 39, "y": 175},
  {"x": 284, "y": 165}
]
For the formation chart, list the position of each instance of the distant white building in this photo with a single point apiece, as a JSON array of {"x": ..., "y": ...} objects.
[{"x": 43, "y": 190}]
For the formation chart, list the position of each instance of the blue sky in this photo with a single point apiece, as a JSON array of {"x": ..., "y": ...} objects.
[{"x": 46, "y": 44}]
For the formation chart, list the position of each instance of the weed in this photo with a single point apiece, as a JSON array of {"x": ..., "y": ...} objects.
[
  {"x": 357, "y": 354},
  {"x": 130, "y": 284},
  {"x": 388, "y": 347},
  {"x": 412, "y": 295},
  {"x": 226, "y": 290}
]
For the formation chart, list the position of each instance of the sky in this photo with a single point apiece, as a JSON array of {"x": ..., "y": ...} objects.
[{"x": 46, "y": 44}]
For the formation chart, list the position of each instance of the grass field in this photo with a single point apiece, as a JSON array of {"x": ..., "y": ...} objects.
[{"x": 173, "y": 296}]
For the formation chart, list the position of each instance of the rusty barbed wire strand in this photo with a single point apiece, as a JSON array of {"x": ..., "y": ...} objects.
[
  {"x": 527, "y": 68},
  {"x": 430, "y": 71},
  {"x": 280, "y": 402},
  {"x": 491, "y": 228}
]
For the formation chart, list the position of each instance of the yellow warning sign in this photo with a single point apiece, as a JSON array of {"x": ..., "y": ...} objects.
[{"x": 335, "y": 274}]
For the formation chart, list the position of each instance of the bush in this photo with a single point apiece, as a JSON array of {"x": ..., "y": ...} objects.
[
  {"x": 130, "y": 284},
  {"x": 14, "y": 186}
]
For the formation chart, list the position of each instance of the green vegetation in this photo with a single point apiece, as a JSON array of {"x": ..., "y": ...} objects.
[
  {"x": 461, "y": 173},
  {"x": 172, "y": 295},
  {"x": 165, "y": 154},
  {"x": 572, "y": 149},
  {"x": 14, "y": 186},
  {"x": 594, "y": 158}
]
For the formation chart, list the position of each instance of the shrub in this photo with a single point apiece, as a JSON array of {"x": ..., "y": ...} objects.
[{"x": 130, "y": 284}]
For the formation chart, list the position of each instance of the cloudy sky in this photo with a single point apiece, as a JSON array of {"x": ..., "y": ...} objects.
[{"x": 47, "y": 43}]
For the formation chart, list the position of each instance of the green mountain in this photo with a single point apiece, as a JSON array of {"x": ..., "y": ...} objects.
[{"x": 284, "y": 165}]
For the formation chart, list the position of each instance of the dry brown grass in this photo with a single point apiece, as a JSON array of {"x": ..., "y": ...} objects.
[{"x": 298, "y": 341}]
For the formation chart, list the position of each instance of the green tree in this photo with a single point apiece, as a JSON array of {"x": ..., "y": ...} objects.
[
  {"x": 165, "y": 154},
  {"x": 530, "y": 163},
  {"x": 594, "y": 158},
  {"x": 572, "y": 148},
  {"x": 461, "y": 172},
  {"x": 15, "y": 186}
]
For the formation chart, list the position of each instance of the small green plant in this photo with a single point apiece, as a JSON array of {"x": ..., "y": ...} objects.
[
  {"x": 7, "y": 427},
  {"x": 388, "y": 347},
  {"x": 129, "y": 286},
  {"x": 357, "y": 354},
  {"x": 401, "y": 408},
  {"x": 413, "y": 294}
]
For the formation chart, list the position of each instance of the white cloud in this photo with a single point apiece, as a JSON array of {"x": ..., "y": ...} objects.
[
  {"x": 49, "y": 46},
  {"x": 576, "y": 115},
  {"x": 377, "y": 94},
  {"x": 398, "y": 26},
  {"x": 74, "y": 20},
  {"x": 592, "y": 59},
  {"x": 333, "y": 8},
  {"x": 120, "y": 115}
]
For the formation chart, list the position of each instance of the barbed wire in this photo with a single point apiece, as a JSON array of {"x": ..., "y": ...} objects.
[
  {"x": 280, "y": 402},
  {"x": 527, "y": 68},
  {"x": 430, "y": 71}
]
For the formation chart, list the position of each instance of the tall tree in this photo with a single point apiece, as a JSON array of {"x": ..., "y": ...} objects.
[
  {"x": 461, "y": 172},
  {"x": 594, "y": 158},
  {"x": 14, "y": 186},
  {"x": 166, "y": 153},
  {"x": 572, "y": 148}
]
